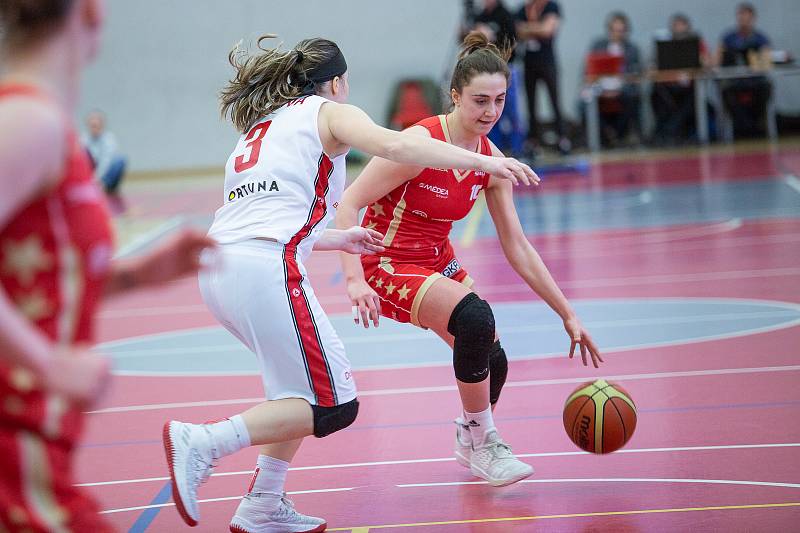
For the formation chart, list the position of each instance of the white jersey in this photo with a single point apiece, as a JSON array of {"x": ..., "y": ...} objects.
[{"x": 279, "y": 184}]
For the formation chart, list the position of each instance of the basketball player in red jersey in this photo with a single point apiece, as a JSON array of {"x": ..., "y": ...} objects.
[
  {"x": 417, "y": 278},
  {"x": 55, "y": 264}
]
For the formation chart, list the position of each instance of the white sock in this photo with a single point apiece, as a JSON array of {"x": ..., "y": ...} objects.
[
  {"x": 229, "y": 435},
  {"x": 479, "y": 424},
  {"x": 270, "y": 475}
]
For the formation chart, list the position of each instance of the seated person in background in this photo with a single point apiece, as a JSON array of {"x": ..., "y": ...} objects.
[
  {"x": 109, "y": 164},
  {"x": 619, "y": 106},
  {"x": 745, "y": 98},
  {"x": 673, "y": 102}
]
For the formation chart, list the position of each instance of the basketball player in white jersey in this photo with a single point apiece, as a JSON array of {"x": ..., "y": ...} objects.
[{"x": 282, "y": 184}]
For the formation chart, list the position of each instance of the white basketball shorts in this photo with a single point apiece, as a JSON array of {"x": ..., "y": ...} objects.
[{"x": 258, "y": 290}]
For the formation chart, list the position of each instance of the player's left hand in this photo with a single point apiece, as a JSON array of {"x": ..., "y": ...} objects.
[
  {"x": 358, "y": 240},
  {"x": 580, "y": 337},
  {"x": 178, "y": 256},
  {"x": 510, "y": 169}
]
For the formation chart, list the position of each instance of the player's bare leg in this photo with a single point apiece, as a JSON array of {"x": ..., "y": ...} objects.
[{"x": 489, "y": 457}]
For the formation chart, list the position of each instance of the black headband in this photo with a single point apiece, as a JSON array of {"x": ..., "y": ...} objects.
[{"x": 335, "y": 66}]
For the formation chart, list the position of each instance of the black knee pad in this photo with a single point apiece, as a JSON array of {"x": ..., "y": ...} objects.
[
  {"x": 472, "y": 325},
  {"x": 329, "y": 420},
  {"x": 498, "y": 371}
]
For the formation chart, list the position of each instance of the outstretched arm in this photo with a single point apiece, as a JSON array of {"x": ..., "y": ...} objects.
[
  {"x": 353, "y": 240},
  {"x": 526, "y": 261},
  {"x": 173, "y": 258},
  {"x": 348, "y": 125}
]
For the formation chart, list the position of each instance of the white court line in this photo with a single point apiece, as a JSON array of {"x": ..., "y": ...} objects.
[
  {"x": 486, "y": 258},
  {"x": 443, "y": 388},
  {"x": 586, "y": 252},
  {"x": 617, "y": 480},
  {"x": 793, "y": 182},
  {"x": 226, "y": 498},
  {"x": 626, "y": 281},
  {"x": 416, "y": 334},
  {"x": 146, "y": 239},
  {"x": 584, "y": 283},
  {"x": 449, "y": 459}
]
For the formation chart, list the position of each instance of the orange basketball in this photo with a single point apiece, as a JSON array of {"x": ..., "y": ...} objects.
[{"x": 600, "y": 417}]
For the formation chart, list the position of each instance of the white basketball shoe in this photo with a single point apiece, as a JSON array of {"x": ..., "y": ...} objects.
[
  {"x": 493, "y": 461},
  {"x": 191, "y": 459},
  {"x": 259, "y": 512}
]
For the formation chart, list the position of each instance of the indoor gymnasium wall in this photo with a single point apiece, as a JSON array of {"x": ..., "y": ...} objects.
[{"x": 163, "y": 62}]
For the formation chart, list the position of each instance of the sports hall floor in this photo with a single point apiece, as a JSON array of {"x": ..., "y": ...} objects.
[{"x": 685, "y": 267}]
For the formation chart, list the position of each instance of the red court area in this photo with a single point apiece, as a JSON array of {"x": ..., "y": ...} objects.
[{"x": 717, "y": 446}]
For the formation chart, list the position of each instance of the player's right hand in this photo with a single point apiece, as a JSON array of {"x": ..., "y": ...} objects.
[
  {"x": 510, "y": 169},
  {"x": 78, "y": 374},
  {"x": 580, "y": 337},
  {"x": 366, "y": 302}
]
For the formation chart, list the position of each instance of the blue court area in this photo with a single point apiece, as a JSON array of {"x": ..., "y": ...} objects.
[
  {"x": 528, "y": 330},
  {"x": 649, "y": 206}
]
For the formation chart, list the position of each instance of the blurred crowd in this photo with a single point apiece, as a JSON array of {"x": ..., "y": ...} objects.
[{"x": 614, "y": 63}]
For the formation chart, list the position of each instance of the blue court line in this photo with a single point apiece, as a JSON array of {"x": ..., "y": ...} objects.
[
  {"x": 148, "y": 515},
  {"x": 519, "y": 418}
]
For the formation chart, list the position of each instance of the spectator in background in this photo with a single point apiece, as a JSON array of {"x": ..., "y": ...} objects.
[
  {"x": 497, "y": 23},
  {"x": 537, "y": 25},
  {"x": 745, "y": 98},
  {"x": 673, "y": 102},
  {"x": 619, "y": 106},
  {"x": 109, "y": 164}
]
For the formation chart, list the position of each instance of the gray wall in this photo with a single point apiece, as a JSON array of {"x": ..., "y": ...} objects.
[{"x": 164, "y": 61}]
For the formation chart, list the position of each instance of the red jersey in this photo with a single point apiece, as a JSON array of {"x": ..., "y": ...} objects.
[
  {"x": 55, "y": 254},
  {"x": 416, "y": 218}
]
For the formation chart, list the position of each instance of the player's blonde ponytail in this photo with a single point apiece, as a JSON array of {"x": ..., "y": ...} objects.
[{"x": 270, "y": 78}]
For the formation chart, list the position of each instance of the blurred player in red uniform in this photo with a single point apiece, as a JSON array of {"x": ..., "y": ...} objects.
[
  {"x": 55, "y": 264},
  {"x": 418, "y": 279}
]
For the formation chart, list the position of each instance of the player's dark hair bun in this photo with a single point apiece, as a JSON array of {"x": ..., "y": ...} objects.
[{"x": 476, "y": 40}]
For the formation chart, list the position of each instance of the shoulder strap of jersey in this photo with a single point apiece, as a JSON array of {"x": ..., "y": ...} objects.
[
  {"x": 434, "y": 126},
  {"x": 486, "y": 149},
  {"x": 486, "y": 146}
]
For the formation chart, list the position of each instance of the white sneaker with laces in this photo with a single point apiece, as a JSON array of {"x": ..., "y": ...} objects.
[
  {"x": 463, "y": 446},
  {"x": 191, "y": 460},
  {"x": 494, "y": 462},
  {"x": 260, "y": 513}
]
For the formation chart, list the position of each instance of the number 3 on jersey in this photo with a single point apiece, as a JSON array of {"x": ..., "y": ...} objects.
[{"x": 255, "y": 136}]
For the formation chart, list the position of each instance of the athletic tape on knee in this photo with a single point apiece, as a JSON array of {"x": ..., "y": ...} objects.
[
  {"x": 329, "y": 420},
  {"x": 498, "y": 371},
  {"x": 472, "y": 325}
]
